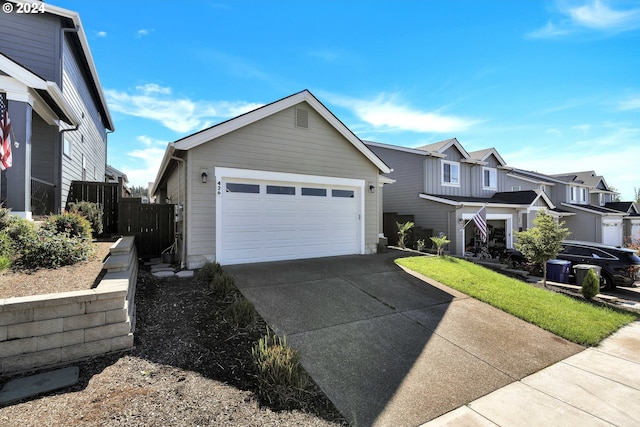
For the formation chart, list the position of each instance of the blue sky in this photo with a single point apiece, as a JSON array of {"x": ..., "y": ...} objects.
[{"x": 553, "y": 85}]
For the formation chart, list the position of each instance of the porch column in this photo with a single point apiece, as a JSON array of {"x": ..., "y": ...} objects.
[{"x": 18, "y": 176}]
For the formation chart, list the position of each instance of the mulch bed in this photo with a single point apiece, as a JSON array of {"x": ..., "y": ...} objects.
[{"x": 191, "y": 366}]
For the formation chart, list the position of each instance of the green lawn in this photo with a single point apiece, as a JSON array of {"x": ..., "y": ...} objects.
[{"x": 577, "y": 321}]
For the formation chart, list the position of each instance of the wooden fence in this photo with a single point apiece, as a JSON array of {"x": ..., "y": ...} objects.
[
  {"x": 152, "y": 225},
  {"x": 107, "y": 195}
]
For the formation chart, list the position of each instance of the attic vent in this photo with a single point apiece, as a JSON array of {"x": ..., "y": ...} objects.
[{"x": 302, "y": 118}]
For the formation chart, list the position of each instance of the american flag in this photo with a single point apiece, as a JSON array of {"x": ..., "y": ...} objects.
[
  {"x": 5, "y": 137},
  {"x": 480, "y": 219}
]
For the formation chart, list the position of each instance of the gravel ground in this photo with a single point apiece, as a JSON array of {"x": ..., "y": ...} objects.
[{"x": 191, "y": 367}]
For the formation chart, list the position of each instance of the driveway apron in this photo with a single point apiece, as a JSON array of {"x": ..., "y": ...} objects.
[{"x": 388, "y": 347}]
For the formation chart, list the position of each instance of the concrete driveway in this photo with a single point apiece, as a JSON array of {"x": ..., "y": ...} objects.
[{"x": 389, "y": 348}]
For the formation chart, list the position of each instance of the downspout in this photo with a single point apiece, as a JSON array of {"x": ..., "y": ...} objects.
[{"x": 184, "y": 222}]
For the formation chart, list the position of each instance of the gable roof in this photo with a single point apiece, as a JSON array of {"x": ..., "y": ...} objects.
[
  {"x": 72, "y": 20},
  {"x": 628, "y": 207},
  {"x": 442, "y": 146},
  {"x": 245, "y": 119},
  {"x": 598, "y": 210},
  {"x": 512, "y": 199},
  {"x": 483, "y": 155},
  {"x": 48, "y": 93},
  {"x": 260, "y": 113},
  {"x": 417, "y": 151}
]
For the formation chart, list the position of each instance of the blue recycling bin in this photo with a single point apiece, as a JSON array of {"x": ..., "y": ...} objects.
[{"x": 558, "y": 270}]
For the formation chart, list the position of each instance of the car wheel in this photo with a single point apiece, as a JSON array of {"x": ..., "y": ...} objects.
[{"x": 606, "y": 282}]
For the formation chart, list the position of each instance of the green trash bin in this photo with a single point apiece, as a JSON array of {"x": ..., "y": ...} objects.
[{"x": 581, "y": 270}]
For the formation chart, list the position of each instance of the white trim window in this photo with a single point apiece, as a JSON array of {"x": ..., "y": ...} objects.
[
  {"x": 450, "y": 173},
  {"x": 489, "y": 178},
  {"x": 578, "y": 195}
]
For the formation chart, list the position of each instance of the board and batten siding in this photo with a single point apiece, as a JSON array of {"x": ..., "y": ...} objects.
[
  {"x": 33, "y": 41},
  {"x": 90, "y": 140},
  {"x": 272, "y": 144}
]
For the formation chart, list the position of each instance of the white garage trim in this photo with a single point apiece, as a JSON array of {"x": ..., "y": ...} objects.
[
  {"x": 612, "y": 231},
  {"x": 224, "y": 174},
  {"x": 508, "y": 218}
]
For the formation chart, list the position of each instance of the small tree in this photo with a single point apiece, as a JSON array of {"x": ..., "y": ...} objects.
[
  {"x": 590, "y": 285},
  {"x": 403, "y": 230},
  {"x": 542, "y": 242},
  {"x": 440, "y": 242}
]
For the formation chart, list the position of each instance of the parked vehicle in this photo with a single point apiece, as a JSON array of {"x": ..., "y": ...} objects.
[{"x": 620, "y": 266}]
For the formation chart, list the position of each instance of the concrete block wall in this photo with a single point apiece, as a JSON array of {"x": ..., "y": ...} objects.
[{"x": 47, "y": 330}]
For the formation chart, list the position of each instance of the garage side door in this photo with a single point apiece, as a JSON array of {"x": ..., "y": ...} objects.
[{"x": 271, "y": 220}]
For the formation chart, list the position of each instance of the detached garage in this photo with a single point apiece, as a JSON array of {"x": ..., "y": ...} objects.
[{"x": 285, "y": 181}]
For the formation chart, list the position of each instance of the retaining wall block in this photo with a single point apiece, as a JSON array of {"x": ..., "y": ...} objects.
[
  {"x": 65, "y": 310},
  {"x": 106, "y": 331},
  {"x": 84, "y": 321},
  {"x": 34, "y": 329}
]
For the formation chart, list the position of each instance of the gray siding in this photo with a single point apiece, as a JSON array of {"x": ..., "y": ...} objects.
[
  {"x": 89, "y": 141},
  {"x": 272, "y": 144},
  {"x": 584, "y": 226},
  {"x": 402, "y": 196},
  {"x": 44, "y": 148},
  {"x": 32, "y": 40}
]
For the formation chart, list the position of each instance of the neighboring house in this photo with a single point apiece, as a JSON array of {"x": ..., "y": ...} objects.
[
  {"x": 285, "y": 181},
  {"x": 57, "y": 109},
  {"x": 443, "y": 186},
  {"x": 631, "y": 223},
  {"x": 582, "y": 200},
  {"x": 114, "y": 176}
]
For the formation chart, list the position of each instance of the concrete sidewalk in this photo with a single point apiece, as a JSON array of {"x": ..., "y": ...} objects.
[
  {"x": 596, "y": 387},
  {"x": 387, "y": 348}
]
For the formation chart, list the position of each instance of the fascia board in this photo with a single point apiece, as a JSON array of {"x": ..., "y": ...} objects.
[
  {"x": 170, "y": 150},
  {"x": 586, "y": 209},
  {"x": 221, "y": 129},
  {"x": 75, "y": 17},
  {"x": 21, "y": 74},
  {"x": 405, "y": 149}
]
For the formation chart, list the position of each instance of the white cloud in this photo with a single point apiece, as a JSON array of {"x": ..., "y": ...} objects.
[
  {"x": 180, "y": 114},
  {"x": 599, "y": 16},
  {"x": 548, "y": 31},
  {"x": 143, "y": 32},
  {"x": 101, "y": 33},
  {"x": 608, "y": 155},
  {"x": 387, "y": 113},
  {"x": 629, "y": 104},
  {"x": 595, "y": 15}
]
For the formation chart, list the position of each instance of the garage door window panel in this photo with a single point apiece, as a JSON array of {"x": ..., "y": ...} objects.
[
  {"x": 234, "y": 187},
  {"x": 308, "y": 191},
  {"x": 350, "y": 194},
  {"x": 279, "y": 189}
]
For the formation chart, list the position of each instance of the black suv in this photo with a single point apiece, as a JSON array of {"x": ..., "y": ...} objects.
[{"x": 620, "y": 266}]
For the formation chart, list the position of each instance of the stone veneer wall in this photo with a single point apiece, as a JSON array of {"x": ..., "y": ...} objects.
[{"x": 53, "y": 329}]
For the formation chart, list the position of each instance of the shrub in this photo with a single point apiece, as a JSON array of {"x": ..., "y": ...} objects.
[
  {"x": 420, "y": 245},
  {"x": 208, "y": 271},
  {"x": 20, "y": 232},
  {"x": 91, "y": 211},
  {"x": 440, "y": 243},
  {"x": 242, "y": 312},
  {"x": 5, "y": 262},
  {"x": 48, "y": 249},
  {"x": 4, "y": 217},
  {"x": 222, "y": 285},
  {"x": 280, "y": 376},
  {"x": 70, "y": 224},
  {"x": 403, "y": 232},
  {"x": 590, "y": 285}
]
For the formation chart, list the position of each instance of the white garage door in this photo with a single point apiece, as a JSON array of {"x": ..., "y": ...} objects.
[
  {"x": 280, "y": 220},
  {"x": 612, "y": 232}
]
